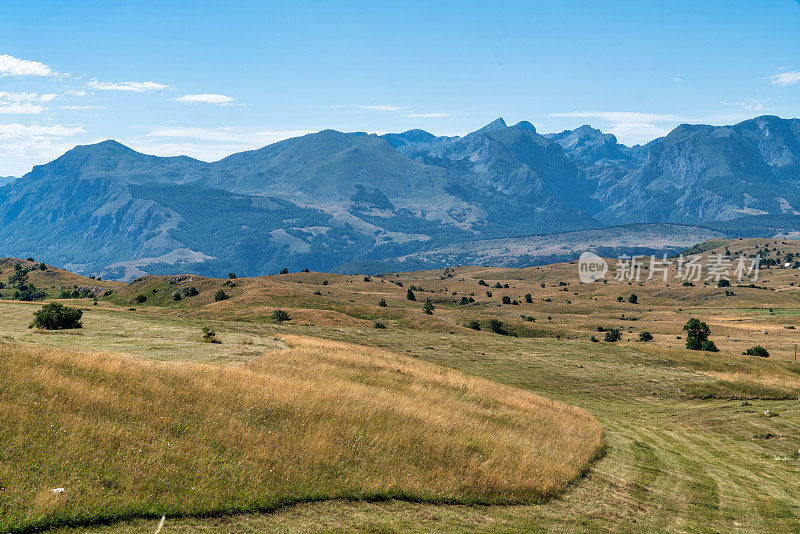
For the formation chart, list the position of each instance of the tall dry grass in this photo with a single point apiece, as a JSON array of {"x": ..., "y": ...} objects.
[{"x": 321, "y": 419}]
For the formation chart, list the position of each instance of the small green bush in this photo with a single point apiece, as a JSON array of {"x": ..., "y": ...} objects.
[
  {"x": 280, "y": 316},
  {"x": 475, "y": 325},
  {"x": 758, "y": 350},
  {"x": 209, "y": 336},
  {"x": 496, "y": 326},
  {"x": 645, "y": 336},
  {"x": 140, "y": 299},
  {"x": 220, "y": 295},
  {"x": 382, "y": 303},
  {"x": 613, "y": 335},
  {"x": 55, "y": 316},
  {"x": 380, "y": 326}
]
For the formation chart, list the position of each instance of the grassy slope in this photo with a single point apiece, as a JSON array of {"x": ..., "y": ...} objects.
[
  {"x": 674, "y": 463},
  {"x": 127, "y": 436}
]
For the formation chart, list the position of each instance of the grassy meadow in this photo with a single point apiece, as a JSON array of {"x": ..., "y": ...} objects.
[{"x": 424, "y": 425}]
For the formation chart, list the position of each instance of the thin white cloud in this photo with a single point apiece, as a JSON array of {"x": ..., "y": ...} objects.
[
  {"x": 12, "y": 66},
  {"x": 16, "y": 108},
  {"x": 207, "y": 144},
  {"x": 206, "y": 98},
  {"x": 382, "y": 108},
  {"x": 74, "y": 92},
  {"x": 16, "y": 131},
  {"x": 135, "y": 87},
  {"x": 79, "y": 108},
  {"x": 428, "y": 115},
  {"x": 227, "y": 135},
  {"x": 630, "y": 127},
  {"x": 24, "y": 103},
  {"x": 620, "y": 116},
  {"x": 785, "y": 78},
  {"x": 677, "y": 79}
]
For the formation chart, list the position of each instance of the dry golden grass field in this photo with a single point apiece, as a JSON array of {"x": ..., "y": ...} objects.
[{"x": 327, "y": 423}]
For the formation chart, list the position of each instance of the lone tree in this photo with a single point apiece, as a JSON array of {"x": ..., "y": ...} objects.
[
  {"x": 55, "y": 316},
  {"x": 428, "y": 307},
  {"x": 220, "y": 295},
  {"x": 410, "y": 295},
  {"x": 697, "y": 333},
  {"x": 280, "y": 316}
]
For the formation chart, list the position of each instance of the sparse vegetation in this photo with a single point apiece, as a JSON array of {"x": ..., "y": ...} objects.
[
  {"x": 758, "y": 350},
  {"x": 220, "y": 295},
  {"x": 280, "y": 316},
  {"x": 55, "y": 316},
  {"x": 612, "y": 335}
]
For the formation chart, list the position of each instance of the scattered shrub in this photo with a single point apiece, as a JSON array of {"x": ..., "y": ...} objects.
[
  {"x": 280, "y": 316},
  {"x": 633, "y": 299},
  {"x": 55, "y": 316},
  {"x": 496, "y": 326},
  {"x": 380, "y": 326},
  {"x": 723, "y": 283},
  {"x": 613, "y": 335},
  {"x": 506, "y": 300},
  {"x": 220, "y": 295},
  {"x": 410, "y": 295},
  {"x": 645, "y": 336},
  {"x": 483, "y": 283},
  {"x": 594, "y": 339},
  {"x": 140, "y": 299},
  {"x": 758, "y": 350},
  {"x": 528, "y": 298},
  {"x": 428, "y": 307},
  {"x": 209, "y": 336},
  {"x": 231, "y": 275},
  {"x": 475, "y": 325},
  {"x": 382, "y": 303},
  {"x": 284, "y": 271}
]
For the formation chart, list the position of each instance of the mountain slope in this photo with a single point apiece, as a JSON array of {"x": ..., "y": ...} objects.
[{"x": 334, "y": 200}]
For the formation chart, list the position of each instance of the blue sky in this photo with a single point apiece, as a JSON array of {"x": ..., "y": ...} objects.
[{"x": 209, "y": 78}]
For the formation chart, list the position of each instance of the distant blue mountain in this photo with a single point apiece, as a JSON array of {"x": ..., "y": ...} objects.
[{"x": 330, "y": 200}]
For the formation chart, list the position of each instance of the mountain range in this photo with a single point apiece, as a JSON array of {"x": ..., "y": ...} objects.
[{"x": 356, "y": 201}]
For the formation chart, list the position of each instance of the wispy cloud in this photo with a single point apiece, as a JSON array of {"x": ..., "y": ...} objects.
[
  {"x": 206, "y": 98},
  {"x": 12, "y": 66},
  {"x": 135, "y": 87},
  {"x": 79, "y": 108},
  {"x": 629, "y": 126},
  {"x": 23, "y": 145},
  {"x": 382, "y": 108},
  {"x": 24, "y": 103},
  {"x": 207, "y": 144},
  {"x": 226, "y": 134},
  {"x": 428, "y": 115},
  {"x": 786, "y": 77},
  {"x": 75, "y": 92}
]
